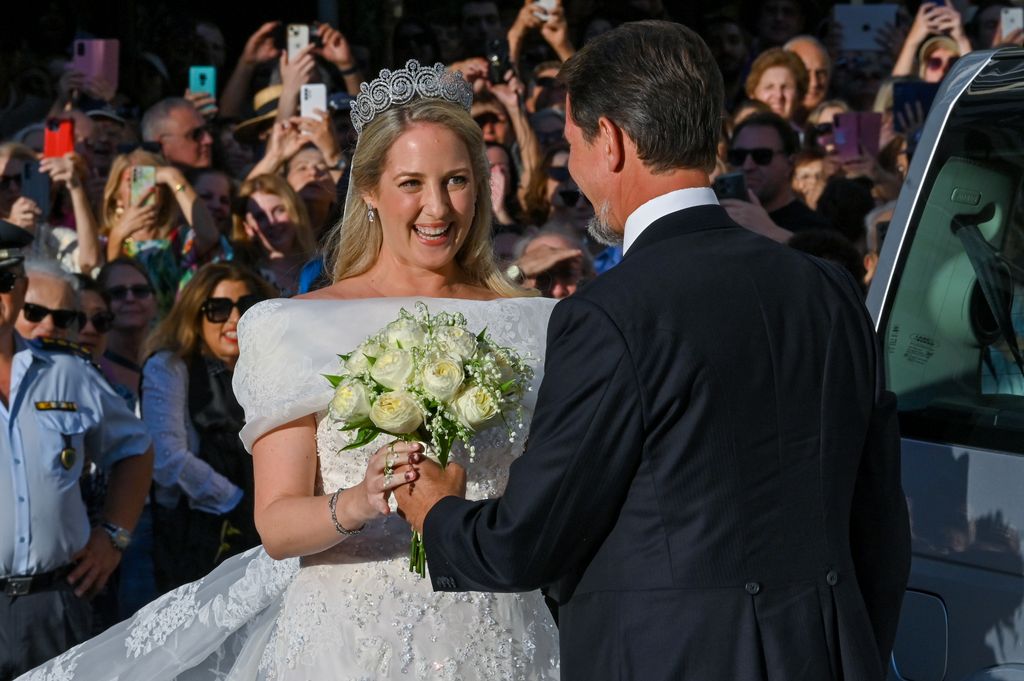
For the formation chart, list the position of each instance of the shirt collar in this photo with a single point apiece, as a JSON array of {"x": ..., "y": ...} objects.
[{"x": 660, "y": 206}]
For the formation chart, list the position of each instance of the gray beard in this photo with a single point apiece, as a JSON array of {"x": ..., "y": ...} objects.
[{"x": 600, "y": 229}]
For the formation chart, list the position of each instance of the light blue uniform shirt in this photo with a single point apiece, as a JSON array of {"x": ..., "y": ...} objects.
[{"x": 57, "y": 402}]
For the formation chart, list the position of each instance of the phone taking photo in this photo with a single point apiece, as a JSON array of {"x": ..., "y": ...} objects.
[
  {"x": 498, "y": 61},
  {"x": 97, "y": 59},
  {"x": 203, "y": 79},
  {"x": 58, "y": 137},
  {"x": 312, "y": 98},
  {"x": 35, "y": 184},
  {"x": 857, "y": 133},
  {"x": 546, "y": 8},
  {"x": 1011, "y": 19},
  {"x": 297, "y": 37},
  {"x": 143, "y": 181},
  {"x": 731, "y": 186}
]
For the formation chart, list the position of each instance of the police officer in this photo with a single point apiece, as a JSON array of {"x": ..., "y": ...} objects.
[{"x": 53, "y": 407}]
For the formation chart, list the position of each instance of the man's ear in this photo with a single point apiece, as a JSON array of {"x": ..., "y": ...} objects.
[{"x": 612, "y": 141}]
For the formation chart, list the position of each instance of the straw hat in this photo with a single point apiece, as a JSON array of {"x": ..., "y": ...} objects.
[{"x": 264, "y": 106}]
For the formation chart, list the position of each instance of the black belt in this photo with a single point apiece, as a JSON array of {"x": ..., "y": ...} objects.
[{"x": 23, "y": 585}]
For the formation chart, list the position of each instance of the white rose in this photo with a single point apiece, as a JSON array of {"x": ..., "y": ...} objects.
[
  {"x": 474, "y": 406},
  {"x": 456, "y": 341},
  {"x": 442, "y": 377},
  {"x": 396, "y": 412},
  {"x": 393, "y": 369},
  {"x": 351, "y": 402},
  {"x": 357, "y": 362},
  {"x": 406, "y": 333}
]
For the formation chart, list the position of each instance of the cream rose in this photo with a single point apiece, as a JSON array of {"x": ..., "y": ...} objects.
[
  {"x": 396, "y": 412},
  {"x": 351, "y": 402},
  {"x": 456, "y": 341},
  {"x": 442, "y": 377},
  {"x": 357, "y": 362},
  {"x": 393, "y": 369},
  {"x": 475, "y": 407},
  {"x": 405, "y": 333}
]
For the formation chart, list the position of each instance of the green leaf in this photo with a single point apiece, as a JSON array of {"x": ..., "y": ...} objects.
[
  {"x": 370, "y": 360},
  {"x": 507, "y": 385},
  {"x": 333, "y": 380},
  {"x": 345, "y": 358},
  {"x": 482, "y": 336},
  {"x": 364, "y": 437}
]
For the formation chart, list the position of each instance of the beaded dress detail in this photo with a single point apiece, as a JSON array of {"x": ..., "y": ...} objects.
[{"x": 353, "y": 612}]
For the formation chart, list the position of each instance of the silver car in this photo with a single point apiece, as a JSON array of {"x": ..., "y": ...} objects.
[{"x": 948, "y": 304}]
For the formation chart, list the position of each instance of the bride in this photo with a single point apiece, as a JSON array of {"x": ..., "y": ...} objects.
[{"x": 330, "y": 595}]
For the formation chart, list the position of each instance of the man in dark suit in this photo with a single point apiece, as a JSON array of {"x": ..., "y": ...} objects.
[{"x": 711, "y": 487}]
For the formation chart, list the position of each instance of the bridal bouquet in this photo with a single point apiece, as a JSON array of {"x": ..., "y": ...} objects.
[{"x": 426, "y": 377}]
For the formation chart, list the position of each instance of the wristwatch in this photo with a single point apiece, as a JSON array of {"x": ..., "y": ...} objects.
[
  {"x": 119, "y": 536},
  {"x": 515, "y": 273}
]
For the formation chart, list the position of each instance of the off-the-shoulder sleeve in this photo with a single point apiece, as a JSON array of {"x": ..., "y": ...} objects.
[{"x": 276, "y": 379}]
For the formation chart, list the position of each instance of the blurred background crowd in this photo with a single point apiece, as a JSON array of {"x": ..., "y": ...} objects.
[{"x": 178, "y": 162}]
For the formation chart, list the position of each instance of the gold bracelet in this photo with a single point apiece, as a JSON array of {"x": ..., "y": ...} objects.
[
  {"x": 179, "y": 187},
  {"x": 332, "y": 504}
]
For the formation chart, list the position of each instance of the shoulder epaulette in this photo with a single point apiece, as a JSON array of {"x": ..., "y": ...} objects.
[{"x": 62, "y": 346}]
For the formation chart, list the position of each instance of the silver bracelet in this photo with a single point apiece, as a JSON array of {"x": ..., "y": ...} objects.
[{"x": 332, "y": 504}]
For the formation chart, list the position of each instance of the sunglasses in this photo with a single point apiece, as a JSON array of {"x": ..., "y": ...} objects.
[
  {"x": 488, "y": 118},
  {"x": 762, "y": 156},
  {"x": 101, "y": 321},
  {"x": 62, "y": 319},
  {"x": 558, "y": 173},
  {"x": 822, "y": 128},
  {"x": 217, "y": 310},
  {"x": 151, "y": 147},
  {"x": 7, "y": 180},
  {"x": 7, "y": 280},
  {"x": 138, "y": 291},
  {"x": 546, "y": 81},
  {"x": 570, "y": 197}
]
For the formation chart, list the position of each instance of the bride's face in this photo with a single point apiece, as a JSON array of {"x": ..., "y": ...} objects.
[{"x": 426, "y": 197}]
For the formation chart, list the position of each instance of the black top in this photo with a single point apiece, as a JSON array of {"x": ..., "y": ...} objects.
[{"x": 797, "y": 217}]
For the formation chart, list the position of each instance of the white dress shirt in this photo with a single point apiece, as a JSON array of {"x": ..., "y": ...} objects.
[{"x": 660, "y": 206}]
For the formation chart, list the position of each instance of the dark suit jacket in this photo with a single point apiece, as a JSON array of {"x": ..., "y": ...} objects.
[{"x": 711, "y": 486}]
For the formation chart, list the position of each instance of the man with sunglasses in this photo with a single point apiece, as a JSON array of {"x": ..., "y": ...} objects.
[
  {"x": 762, "y": 148},
  {"x": 182, "y": 133},
  {"x": 54, "y": 410},
  {"x": 50, "y": 309}
]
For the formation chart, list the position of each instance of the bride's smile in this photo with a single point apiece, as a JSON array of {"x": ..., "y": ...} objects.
[{"x": 426, "y": 196}]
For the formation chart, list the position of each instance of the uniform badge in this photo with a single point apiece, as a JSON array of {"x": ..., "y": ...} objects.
[
  {"x": 68, "y": 455},
  {"x": 54, "y": 405}
]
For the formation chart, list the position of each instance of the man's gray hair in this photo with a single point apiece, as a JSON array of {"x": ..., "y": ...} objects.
[
  {"x": 153, "y": 119},
  {"x": 50, "y": 268}
]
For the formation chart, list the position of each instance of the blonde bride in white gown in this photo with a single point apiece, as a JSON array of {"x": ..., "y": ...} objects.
[{"x": 339, "y": 602}]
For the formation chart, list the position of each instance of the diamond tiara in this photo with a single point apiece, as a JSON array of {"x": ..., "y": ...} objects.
[{"x": 394, "y": 88}]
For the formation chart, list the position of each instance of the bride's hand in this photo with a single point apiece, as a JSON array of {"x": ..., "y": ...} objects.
[{"x": 390, "y": 467}]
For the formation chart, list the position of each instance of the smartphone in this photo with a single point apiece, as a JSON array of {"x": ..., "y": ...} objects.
[
  {"x": 203, "y": 79},
  {"x": 1010, "y": 19},
  {"x": 58, "y": 137},
  {"x": 547, "y": 7},
  {"x": 498, "y": 61},
  {"x": 143, "y": 180},
  {"x": 860, "y": 24},
  {"x": 857, "y": 133},
  {"x": 97, "y": 59},
  {"x": 909, "y": 94},
  {"x": 35, "y": 184},
  {"x": 731, "y": 186},
  {"x": 297, "y": 38},
  {"x": 311, "y": 98}
]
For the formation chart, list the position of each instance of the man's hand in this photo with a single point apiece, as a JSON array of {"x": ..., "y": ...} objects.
[
  {"x": 204, "y": 103},
  {"x": 474, "y": 70},
  {"x": 335, "y": 47},
  {"x": 25, "y": 214},
  {"x": 321, "y": 133},
  {"x": 555, "y": 32},
  {"x": 751, "y": 215},
  {"x": 94, "y": 564},
  {"x": 433, "y": 484}
]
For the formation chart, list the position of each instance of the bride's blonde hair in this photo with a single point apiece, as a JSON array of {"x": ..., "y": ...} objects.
[{"x": 355, "y": 242}]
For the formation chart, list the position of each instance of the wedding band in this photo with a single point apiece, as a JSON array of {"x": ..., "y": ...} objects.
[{"x": 388, "y": 477}]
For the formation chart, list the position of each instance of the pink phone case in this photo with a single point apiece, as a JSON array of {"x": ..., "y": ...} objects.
[
  {"x": 97, "y": 59},
  {"x": 857, "y": 133}
]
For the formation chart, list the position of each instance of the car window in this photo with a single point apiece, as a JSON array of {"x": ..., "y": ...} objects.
[{"x": 955, "y": 331}]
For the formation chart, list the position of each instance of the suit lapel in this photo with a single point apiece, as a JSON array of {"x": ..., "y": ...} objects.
[{"x": 685, "y": 221}]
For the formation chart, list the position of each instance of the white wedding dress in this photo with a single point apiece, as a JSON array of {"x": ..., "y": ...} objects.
[{"x": 354, "y": 612}]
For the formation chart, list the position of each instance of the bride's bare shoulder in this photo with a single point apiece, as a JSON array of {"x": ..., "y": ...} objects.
[{"x": 346, "y": 289}]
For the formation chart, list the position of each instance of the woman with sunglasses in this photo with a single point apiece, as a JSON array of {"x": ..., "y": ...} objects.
[
  {"x": 125, "y": 285},
  {"x": 147, "y": 225},
  {"x": 203, "y": 475}
]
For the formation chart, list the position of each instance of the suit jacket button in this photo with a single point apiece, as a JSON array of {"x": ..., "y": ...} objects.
[
  {"x": 753, "y": 588},
  {"x": 832, "y": 577}
]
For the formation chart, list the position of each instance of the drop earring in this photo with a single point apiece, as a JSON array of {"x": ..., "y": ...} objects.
[{"x": 371, "y": 214}]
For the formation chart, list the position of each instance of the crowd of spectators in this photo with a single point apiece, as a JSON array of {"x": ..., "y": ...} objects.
[{"x": 243, "y": 190}]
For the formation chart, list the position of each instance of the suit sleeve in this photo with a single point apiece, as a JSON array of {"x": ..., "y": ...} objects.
[
  {"x": 565, "y": 491},
  {"x": 880, "y": 525}
]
